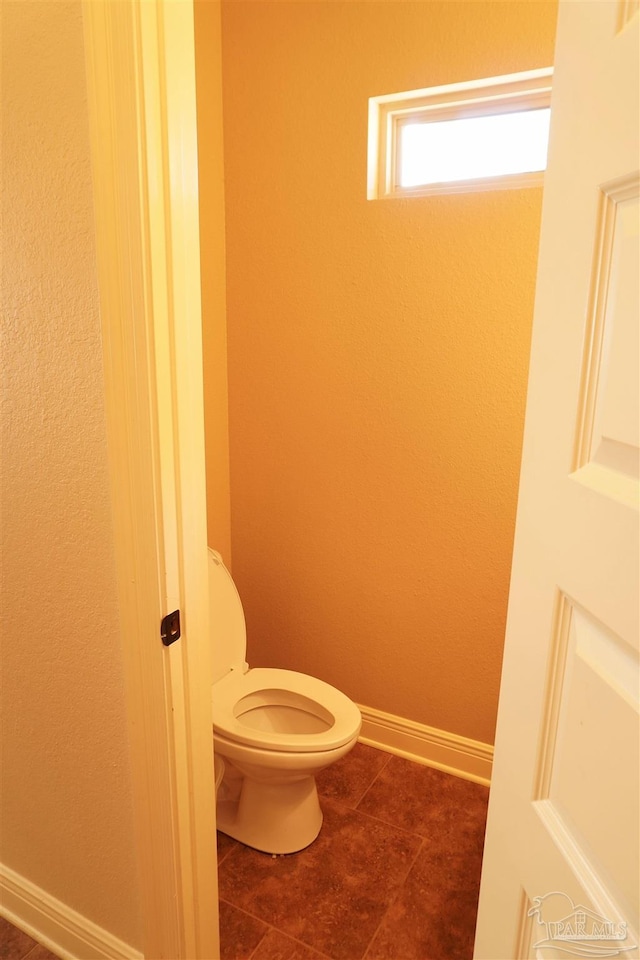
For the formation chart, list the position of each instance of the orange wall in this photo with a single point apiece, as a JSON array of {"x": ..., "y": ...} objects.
[
  {"x": 377, "y": 357},
  {"x": 67, "y": 816},
  {"x": 212, "y": 260}
]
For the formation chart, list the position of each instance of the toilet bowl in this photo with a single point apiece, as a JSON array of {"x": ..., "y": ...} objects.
[{"x": 274, "y": 729}]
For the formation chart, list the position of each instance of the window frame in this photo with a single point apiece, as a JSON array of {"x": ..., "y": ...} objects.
[{"x": 510, "y": 93}]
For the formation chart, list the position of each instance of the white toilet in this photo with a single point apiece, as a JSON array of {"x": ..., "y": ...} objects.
[{"x": 274, "y": 729}]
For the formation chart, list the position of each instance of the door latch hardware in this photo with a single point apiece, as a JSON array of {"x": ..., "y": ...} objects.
[{"x": 170, "y": 628}]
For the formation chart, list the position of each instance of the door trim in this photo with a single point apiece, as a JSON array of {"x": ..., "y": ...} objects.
[{"x": 142, "y": 112}]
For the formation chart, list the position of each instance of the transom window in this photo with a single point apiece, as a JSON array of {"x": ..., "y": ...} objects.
[{"x": 481, "y": 135}]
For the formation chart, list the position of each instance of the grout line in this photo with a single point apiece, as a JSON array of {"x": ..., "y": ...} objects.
[
  {"x": 261, "y": 940},
  {"x": 390, "y": 823},
  {"x": 411, "y": 866},
  {"x": 30, "y": 950},
  {"x": 301, "y": 943},
  {"x": 246, "y": 912},
  {"x": 253, "y": 917},
  {"x": 371, "y": 816},
  {"x": 393, "y": 899},
  {"x": 270, "y": 926},
  {"x": 353, "y": 803},
  {"x": 366, "y": 791},
  {"x": 35, "y": 947},
  {"x": 224, "y": 856}
]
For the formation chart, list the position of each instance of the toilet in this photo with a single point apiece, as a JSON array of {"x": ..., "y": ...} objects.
[{"x": 273, "y": 729}]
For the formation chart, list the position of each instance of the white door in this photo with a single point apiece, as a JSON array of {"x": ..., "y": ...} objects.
[{"x": 560, "y": 874}]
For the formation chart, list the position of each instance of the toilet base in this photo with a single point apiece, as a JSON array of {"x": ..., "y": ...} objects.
[{"x": 272, "y": 817}]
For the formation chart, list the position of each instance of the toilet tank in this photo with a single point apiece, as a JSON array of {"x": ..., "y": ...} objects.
[{"x": 226, "y": 620}]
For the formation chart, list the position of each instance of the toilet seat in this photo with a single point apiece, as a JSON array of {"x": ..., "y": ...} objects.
[{"x": 283, "y": 688}]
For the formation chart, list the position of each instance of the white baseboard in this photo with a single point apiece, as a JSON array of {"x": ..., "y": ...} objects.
[
  {"x": 469, "y": 759},
  {"x": 55, "y": 925}
]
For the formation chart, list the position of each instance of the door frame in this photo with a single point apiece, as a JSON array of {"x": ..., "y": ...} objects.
[{"x": 142, "y": 115}]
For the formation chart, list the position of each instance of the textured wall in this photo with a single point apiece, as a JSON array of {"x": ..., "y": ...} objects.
[
  {"x": 212, "y": 257},
  {"x": 377, "y": 357},
  {"x": 66, "y": 805}
]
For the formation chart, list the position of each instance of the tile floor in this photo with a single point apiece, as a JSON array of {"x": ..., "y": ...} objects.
[
  {"x": 394, "y": 874},
  {"x": 16, "y": 945}
]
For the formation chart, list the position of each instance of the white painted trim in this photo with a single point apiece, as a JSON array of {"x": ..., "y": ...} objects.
[
  {"x": 55, "y": 925},
  {"x": 460, "y": 756},
  {"x": 142, "y": 113}
]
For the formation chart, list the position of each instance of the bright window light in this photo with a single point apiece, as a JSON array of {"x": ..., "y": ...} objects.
[
  {"x": 474, "y": 147},
  {"x": 482, "y": 134}
]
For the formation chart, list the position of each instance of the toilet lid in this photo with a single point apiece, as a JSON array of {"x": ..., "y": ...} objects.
[
  {"x": 228, "y": 692},
  {"x": 228, "y": 630}
]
